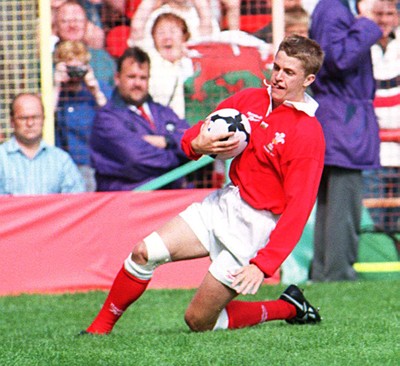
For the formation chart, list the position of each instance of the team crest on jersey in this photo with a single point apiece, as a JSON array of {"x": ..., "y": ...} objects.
[{"x": 278, "y": 139}]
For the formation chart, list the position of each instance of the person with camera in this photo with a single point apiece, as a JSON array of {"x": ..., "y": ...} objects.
[
  {"x": 77, "y": 94},
  {"x": 71, "y": 24}
]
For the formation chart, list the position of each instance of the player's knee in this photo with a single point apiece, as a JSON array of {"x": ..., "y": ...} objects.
[
  {"x": 139, "y": 253},
  {"x": 151, "y": 251},
  {"x": 146, "y": 256},
  {"x": 195, "y": 322},
  {"x": 192, "y": 322},
  {"x": 137, "y": 264}
]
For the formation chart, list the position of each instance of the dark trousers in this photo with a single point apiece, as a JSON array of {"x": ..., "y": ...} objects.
[{"x": 337, "y": 225}]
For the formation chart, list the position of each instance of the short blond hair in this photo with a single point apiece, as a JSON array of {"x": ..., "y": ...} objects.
[
  {"x": 71, "y": 50},
  {"x": 306, "y": 50}
]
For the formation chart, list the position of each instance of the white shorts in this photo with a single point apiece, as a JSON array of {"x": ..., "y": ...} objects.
[{"x": 231, "y": 230}]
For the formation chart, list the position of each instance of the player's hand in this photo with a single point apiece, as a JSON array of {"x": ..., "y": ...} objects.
[
  {"x": 207, "y": 144},
  {"x": 247, "y": 279}
]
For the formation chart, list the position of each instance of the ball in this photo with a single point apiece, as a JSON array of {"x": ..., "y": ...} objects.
[{"x": 230, "y": 120}]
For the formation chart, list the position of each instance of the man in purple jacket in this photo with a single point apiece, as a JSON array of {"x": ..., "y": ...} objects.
[
  {"x": 344, "y": 90},
  {"x": 134, "y": 139}
]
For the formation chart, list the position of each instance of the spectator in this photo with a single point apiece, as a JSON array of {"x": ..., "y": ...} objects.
[
  {"x": 296, "y": 21},
  {"x": 94, "y": 9},
  {"x": 77, "y": 95},
  {"x": 231, "y": 17},
  {"x": 265, "y": 33},
  {"x": 344, "y": 91},
  {"x": 198, "y": 17},
  {"x": 309, "y": 5},
  {"x": 169, "y": 64},
  {"x": 28, "y": 165},
  {"x": 94, "y": 34},
  {"x": 134, "y": 139},
  {"x": 385, "y": 182},
  {"x": 123, "y": 7},
  {"x": 71, "y": 25}
]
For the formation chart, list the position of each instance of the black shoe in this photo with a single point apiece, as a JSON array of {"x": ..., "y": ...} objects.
[{"x": 306, "y": 313}]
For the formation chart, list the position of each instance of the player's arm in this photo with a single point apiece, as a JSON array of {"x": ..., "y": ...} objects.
[{"x": 301, "y": 199}]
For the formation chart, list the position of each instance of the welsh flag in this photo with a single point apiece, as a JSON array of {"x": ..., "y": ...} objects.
[{"x": 220, "y": 70}]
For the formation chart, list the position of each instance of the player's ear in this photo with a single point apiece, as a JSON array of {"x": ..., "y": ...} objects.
[{"x": 308, "y": 80}]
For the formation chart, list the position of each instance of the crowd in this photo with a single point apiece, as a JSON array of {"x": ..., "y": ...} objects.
[{"x": 121, "y": 72}]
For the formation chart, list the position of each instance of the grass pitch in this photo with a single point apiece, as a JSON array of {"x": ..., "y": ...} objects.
[{"x": 361, "y": 326}]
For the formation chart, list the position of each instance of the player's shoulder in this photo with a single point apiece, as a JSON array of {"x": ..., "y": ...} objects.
[
  {"x": 308, "y": 124},
  {"x": 308, "y": 129},
  {"x": 300, "y": 123}
]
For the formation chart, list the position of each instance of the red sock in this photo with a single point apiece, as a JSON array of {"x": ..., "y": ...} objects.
[
  {"x": 125, "y": 290},
  {"x": 244, "y": 314}
]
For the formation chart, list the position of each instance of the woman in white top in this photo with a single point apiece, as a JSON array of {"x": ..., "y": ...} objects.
[
  {"x": 170, "y": 66},
  {"x": 200, "y": 19}
]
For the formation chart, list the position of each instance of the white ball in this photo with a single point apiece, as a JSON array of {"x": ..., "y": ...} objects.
[{"x": 230, "y": 120}]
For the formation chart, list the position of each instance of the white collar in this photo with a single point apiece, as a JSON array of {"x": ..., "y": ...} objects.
[{"x": 309, "y": 106}]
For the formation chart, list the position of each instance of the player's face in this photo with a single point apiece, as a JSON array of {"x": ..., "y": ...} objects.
[
  {"x": 71, "y": 23},
  {"x": 288, "y": 80},
  {"x": 169, "y": 40},
  {"x": 385, "y": 15},
  {"x": 133, "y": 81},
  {"x": 28, "y": 120}
]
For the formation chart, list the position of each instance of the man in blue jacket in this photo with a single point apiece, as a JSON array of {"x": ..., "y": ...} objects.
[
  {"x": 134, "y": 139},
  {"x": 344, "y": 90}
]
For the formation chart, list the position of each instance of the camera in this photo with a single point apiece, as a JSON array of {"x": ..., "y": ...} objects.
[{"x": 77, "y": 72}]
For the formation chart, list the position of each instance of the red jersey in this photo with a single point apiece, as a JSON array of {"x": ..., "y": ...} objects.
[{"x": 279, "y": 170}]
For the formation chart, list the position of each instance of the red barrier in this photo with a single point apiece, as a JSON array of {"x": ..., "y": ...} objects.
[{"x": 60, "y": 243}]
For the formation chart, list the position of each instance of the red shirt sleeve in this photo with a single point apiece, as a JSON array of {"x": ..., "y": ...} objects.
[
  {"x": 301, "y": 187},
  {"x": 186, "y": 142}
]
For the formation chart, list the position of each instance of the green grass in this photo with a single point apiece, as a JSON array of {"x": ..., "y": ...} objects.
[{"x": 361, "y": 326}]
